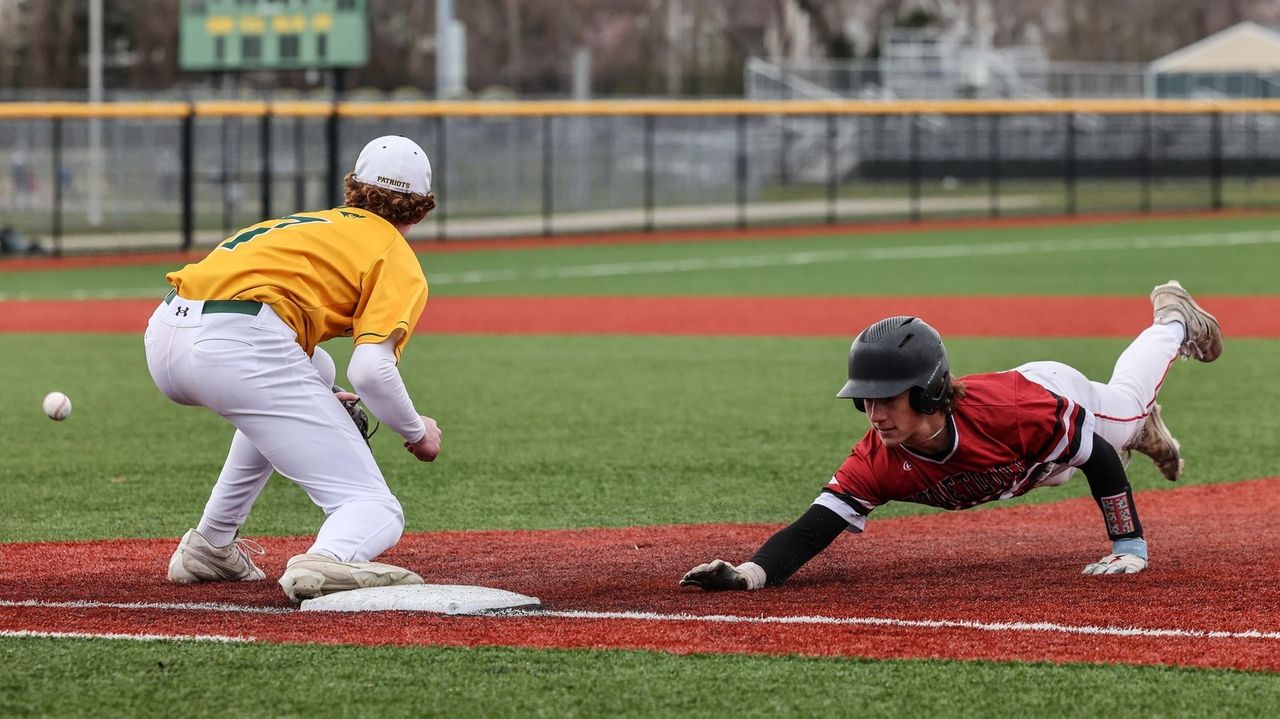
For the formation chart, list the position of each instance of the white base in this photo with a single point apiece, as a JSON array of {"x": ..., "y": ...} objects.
[{"x": 438, "y": 598}]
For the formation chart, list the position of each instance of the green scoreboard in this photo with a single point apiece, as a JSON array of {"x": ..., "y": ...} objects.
[{"x": 272, "y": 34}]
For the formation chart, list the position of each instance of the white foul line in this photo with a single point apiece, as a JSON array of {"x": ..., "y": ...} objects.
[
  {"x": 864, "y": 254},
  {"x": 22, "y": 634},
  {"x": 910, "y": 623},
  {"x": 816, "y": 620},
  {"x": 176, "y": 606}
]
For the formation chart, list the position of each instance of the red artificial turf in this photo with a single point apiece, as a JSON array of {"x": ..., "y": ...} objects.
[
  {"x": 1003, "y": 565},
  {"x": 1086, "y": 316}
]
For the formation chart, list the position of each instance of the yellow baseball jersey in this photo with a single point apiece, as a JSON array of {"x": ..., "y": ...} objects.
[{"x": 334, "y": 273}]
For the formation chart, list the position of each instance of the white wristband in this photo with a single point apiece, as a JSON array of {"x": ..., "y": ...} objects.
[{"x": 754, "y": 574}]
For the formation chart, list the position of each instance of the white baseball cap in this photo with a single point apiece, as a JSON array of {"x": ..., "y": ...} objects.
[{"x": 396, "y": 163}]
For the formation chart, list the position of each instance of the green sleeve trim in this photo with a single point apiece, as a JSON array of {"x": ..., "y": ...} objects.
[{"x": 385, "y": 334}]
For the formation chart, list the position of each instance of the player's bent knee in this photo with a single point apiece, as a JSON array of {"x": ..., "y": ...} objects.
[
  {"x": 388, "y": 511},
  {"x": 393, "y": 504},
  {"x": 389, "y": 528}
]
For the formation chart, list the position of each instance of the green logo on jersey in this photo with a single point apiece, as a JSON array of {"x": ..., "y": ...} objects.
[{"x": 247, "y": 235}]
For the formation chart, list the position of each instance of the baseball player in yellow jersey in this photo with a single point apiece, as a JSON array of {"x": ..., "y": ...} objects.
[{"x": 238, "y": 334}]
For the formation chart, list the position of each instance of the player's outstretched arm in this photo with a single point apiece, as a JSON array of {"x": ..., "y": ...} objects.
[
  {"x": 374, "y": 375},
  {"x": 1110, "y": 488},
  {"x": 777, "y": 559}
]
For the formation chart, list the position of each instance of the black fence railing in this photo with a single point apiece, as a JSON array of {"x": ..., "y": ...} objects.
[{"x": 178, "y": 175}]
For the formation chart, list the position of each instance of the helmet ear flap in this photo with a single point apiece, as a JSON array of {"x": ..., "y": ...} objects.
[
  {"x": 926, "y": 402},
  {"x": 919, "y": 402}
]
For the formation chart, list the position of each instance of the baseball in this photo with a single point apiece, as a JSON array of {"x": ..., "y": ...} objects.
[{"x": 57, "y": 405}]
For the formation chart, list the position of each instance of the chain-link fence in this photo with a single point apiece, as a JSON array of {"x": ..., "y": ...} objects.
[{"x": 176, "y": 175}]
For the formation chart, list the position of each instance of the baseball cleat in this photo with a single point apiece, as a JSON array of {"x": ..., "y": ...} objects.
[
  {"x": 196, "y": 560},
  {"x": 1155, "y": 441},
  {"x": 308, "y": 576},
  {"x": 1172, "y": 303}
]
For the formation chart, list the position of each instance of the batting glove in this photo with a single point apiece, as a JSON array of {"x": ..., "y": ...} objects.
[
  {"x": 719, "y": 574},
  {"x": 1117, "y": 564}
]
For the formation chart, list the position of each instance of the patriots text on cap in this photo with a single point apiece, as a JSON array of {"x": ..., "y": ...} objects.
[{"x": 396, "y": 163}]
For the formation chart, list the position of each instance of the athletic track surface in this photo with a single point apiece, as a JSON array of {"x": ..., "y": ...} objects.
[{"x": 998, "y": 584}]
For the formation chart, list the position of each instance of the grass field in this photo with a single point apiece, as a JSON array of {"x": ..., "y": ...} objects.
[
  {"x": 1225, "y": 255},
  {"x": 127, "y": 679},
  {"x": 558, "y": 432}
]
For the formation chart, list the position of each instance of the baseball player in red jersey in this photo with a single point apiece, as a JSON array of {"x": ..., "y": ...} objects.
[{"x": 957, "y": 444}]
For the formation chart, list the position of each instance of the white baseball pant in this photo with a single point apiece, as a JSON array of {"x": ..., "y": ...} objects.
[
  {"x": 1122, "y": 404},
  {"x": 251, "y": 370}
]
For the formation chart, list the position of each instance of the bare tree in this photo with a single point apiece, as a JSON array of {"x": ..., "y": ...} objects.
[
  {"x": 153, "y": 38},
  {"x": 526, "y": 44},
  {"x": 515, "y": 56}
]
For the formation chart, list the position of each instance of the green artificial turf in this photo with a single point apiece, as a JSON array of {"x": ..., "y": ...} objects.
[
  {"x": 544, "y": 432},
  {"x": 1223, "y": 255},
  {"x": 547, "y": 432},
  {"x": 99, "y": 678}
]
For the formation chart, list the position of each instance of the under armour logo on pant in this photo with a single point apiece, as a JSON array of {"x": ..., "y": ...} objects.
[{"x": 181, "y": 312}]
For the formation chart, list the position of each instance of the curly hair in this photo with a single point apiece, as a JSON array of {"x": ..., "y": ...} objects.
[
  {"x": 955, "y": 391},
  {"x": 398, "y": 208}
]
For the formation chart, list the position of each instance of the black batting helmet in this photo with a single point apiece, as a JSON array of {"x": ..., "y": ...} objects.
[{"x": 894, "y": 355}]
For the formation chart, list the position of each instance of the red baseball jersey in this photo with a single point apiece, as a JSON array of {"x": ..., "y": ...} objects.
[{"x": 1009, "y": 435}]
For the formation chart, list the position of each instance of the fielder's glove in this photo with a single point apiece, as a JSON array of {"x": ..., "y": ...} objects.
[
  {"x": 351, "y": 402},
  {"x": 719, "y": 574},
  {"x": 1116, "y": 564}
]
